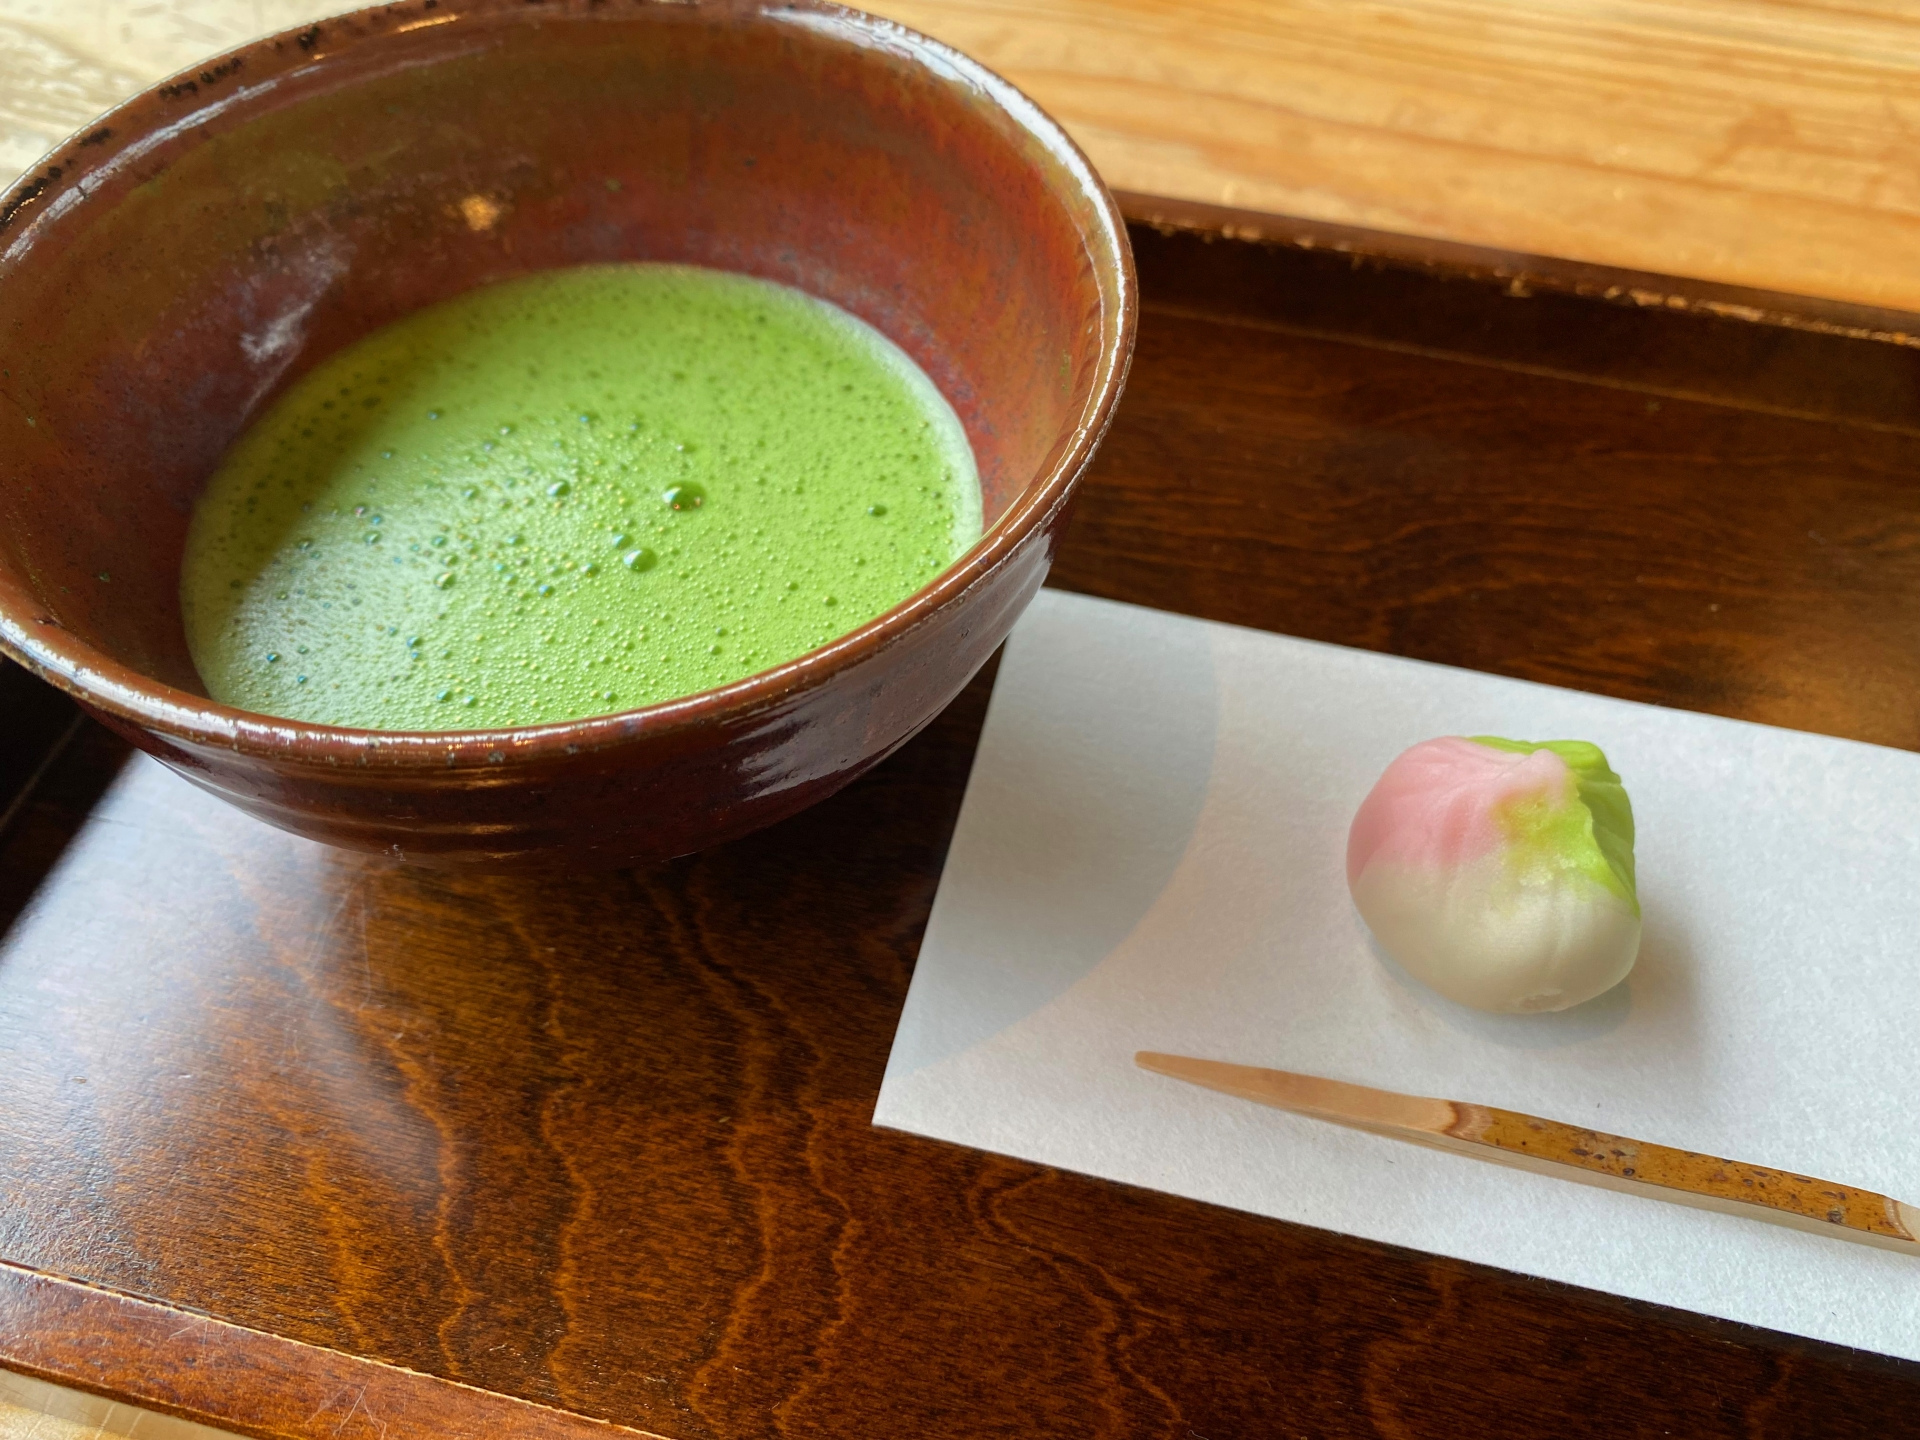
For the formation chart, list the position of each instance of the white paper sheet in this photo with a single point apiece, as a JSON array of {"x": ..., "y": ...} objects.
[{"x": 1150, "y": 856}]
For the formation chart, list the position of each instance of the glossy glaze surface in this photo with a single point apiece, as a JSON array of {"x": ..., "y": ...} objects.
[{"x": 240, "y": 223}]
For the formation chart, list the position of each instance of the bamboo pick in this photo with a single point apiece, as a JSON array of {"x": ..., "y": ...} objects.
[{"x": 1551, "y": 1147}]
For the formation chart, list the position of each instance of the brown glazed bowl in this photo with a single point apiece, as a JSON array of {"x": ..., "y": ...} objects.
[{"x": 166, "y": 275}]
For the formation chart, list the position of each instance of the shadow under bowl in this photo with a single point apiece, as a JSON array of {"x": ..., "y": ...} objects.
[{"x": 166, "y": 275}]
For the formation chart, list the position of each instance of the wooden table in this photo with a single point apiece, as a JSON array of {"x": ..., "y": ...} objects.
[
  {"x": 602, "y": 1143},
  {"x": 299, "y": 1143}
]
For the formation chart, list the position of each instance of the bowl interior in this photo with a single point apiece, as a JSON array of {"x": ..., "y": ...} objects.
[{"x": 225, "y": 232}]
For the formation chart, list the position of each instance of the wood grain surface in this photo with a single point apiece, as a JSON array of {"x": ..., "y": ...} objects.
[
  {"x": 1763, "y": 143},
  {"x": 1752, "y": 143},
  {"x": 39, "y": 1410},
  {"x": 193, "y": 1366},
  {"x": 602, "y": 1143}
]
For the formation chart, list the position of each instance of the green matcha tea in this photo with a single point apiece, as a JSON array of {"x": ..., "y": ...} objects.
[{"x": 568, "y": 494}]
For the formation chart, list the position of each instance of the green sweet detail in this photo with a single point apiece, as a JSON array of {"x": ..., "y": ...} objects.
[{"x": 1592, "y": 837}]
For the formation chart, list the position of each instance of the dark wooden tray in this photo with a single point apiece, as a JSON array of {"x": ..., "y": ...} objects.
[{"x": 290, "y": 1139}]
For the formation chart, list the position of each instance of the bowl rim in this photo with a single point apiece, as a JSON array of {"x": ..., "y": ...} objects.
[{"x": 123, "y": 693}]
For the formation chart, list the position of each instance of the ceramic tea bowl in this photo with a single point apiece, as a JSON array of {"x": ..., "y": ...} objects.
[{"x": 166, "y": 275}]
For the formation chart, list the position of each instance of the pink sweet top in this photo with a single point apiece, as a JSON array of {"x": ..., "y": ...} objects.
[{"x": 1438, "y": 806}]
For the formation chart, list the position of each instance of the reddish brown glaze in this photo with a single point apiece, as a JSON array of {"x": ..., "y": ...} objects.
[{"x": 164, "y": 276}]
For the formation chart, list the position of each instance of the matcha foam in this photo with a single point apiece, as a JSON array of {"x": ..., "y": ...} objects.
[{"x": 570, "y": 494}]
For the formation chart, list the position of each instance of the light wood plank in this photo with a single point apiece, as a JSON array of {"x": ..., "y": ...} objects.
[
  {"x": 1765, "y": 143},
  {"x": 1773, "y": 145},
  {"x": 64, "y": 61},
  {"x": 37, "y": 1410}
]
